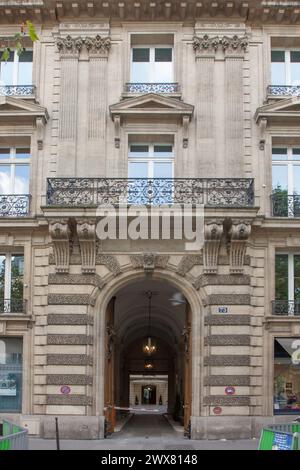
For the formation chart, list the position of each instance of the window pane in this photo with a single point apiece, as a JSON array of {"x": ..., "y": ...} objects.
[
  {"x": 7, "y": 70},
  {"x": 163, "y": 54},
  {"x": 139, "y": 150},
  {"x": 295, "y": 56},
  {"x": 278, "y": 73},
  {"x": 17, "y": 271},
  {"x": 163, "y": 151},
  {"x": 281, "y": 277},
  {"x": 141, "y": 55},
  {"x": 295, "y": 73},
  {"x": 23, "y": 153},
  {"x": 25, "y": 70},
  {"x": 279, "y": 177},
  {"x": 297, "y": 277},
  {"x": 4, "y": 153},
  {"x": 11, "y": 375},
  {"x": 296, "y": 186},
  {"x": 278, "y": 56},
  {"x": 138, "y": 170},
  {"x": 279, "y": 154},
  {"x": 163, "y": 170},
  {"x": 2, "y": 276},
  {"x": 163, "y": 72},
  {"x": 296, "y": 154},
  {"x": 21, "y": 185},
  {"x": 287, "y": 375},
  {"x": 26, "y": 56},
  {"x": 5, "y": 179}
]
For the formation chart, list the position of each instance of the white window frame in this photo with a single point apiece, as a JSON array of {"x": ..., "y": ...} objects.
[
  {"x": 15, "y": 75},
  {"x": 291, "y": 273},
  {"x": 287, "y": 63},
  {"x": 290, "y": 162},
  {"x": 14, "y": 161},
  {"x": 152, "y": 61},
  {"x": 151, "y": 159}
]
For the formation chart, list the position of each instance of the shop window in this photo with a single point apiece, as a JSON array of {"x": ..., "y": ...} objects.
[
  {"x": 11, "y": 375},
  {"x": 287, "y": 376}
]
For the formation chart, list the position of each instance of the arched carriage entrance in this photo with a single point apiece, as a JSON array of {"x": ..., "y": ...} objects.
[{"x": 161, "y": 381}]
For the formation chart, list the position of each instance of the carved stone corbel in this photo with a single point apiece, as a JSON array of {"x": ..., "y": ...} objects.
[
  {"x": 262, "y": 128},
  {"x": 86, "y": 231},
  {"x": 185, "y": 132},
  {"x": 213, "y": 231},
  {"x": 117, "y": 123},
  {"x": 40, "y": 128},
  {"x": 60, "y": 235},
  {"x": 239, "y": 234}
]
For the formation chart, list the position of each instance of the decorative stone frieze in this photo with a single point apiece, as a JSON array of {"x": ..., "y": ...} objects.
[
  {"x": 221, "y": 280},
  {"x": 69, "y": 319},
  {"x": 69, "y": 46},
  {"x": 70, "y": 339},
  {"x": 69, "y": 299},
  {"x": 227, "y": 401},
  {"x": 98, "y": 46},
  {"x": 110, "y": 262},
  {"x": 213, "y": 231},
  {"x": 187, "y": 263},
  {"x": 60, "y": 235},
  {"x": 69, "y": 400},
  {"x": 230, "y": 360},
  {"x": 227, "y": 380},
  {"x": 227, "y": 299},
  {"x": 227, "y": 340},
  {"x": 149, "y": 261},
  {"x": 208, "y": 46},
  {"x": 69, "y": 359},
  {"x": 73, "y": 279},
  {"x": 69, "y": 379},
  {"x": 86, "y": 231},
  {"x": 239, "y": 234},
  {"x": 214, "y": 320}
]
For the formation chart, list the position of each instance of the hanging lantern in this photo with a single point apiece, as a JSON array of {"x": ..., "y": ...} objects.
[
  {"x": 149, "y": 365},
  {"x": 149, "y": 346}
]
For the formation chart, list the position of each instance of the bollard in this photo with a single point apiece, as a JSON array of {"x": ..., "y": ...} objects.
[{"x": 57, "y": 434}]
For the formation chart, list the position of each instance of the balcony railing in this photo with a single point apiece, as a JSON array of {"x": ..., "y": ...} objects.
[
  {"x": 216, "y": 192},
  {"x": 14, "y": 205},
  {"x": 283, "y": 90},
  {"x": 152, "y": 88},
  {"x": 17, "y": 90},
  {"x": 285, "y": 205},
  {"x": 286, "y": 307},
  {"x": 12, "y": 306}
]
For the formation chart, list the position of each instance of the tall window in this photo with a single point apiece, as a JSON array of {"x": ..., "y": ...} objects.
[
  {"x": 151, "y": 167},
  {"x": 11, "y": 283},
  {"x": 17, "y": 70},
  {"x": 285, "y": 67},
  {"x": 287, "y": 279},
  {"x": 286, "y": 180},
  {"x": 287, "y": 376},
  {"x": 14, "y": 170},
  {"x": 152, "y": 64},
  {"x": 10, "y": 375}
]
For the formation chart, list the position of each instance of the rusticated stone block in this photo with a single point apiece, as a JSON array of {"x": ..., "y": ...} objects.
[
  {"x": 232, "y": 360},
  {"x": 69, "y": 319},
  {"x": 222, "y": 280},
  {"x": 69, "y": 379},
  {"x": 69, "y": 299},
  {"x": 69, "y": 339},
  {"x": 227, "y": 340},
  {"x": 227, "y": 299},
  {"x": 77, "y": 279},
  {"x": 69, "y": 400},
  {"x": 226, "y": 380},
  {"x": 227, "y": 401},
  {"x": 69, "y": 359},
  {"x": 214, "y": 320}
]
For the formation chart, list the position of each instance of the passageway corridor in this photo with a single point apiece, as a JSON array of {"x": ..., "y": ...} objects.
[{"x": 147, "y": 426}]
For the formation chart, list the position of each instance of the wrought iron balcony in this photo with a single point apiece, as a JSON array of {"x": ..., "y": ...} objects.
[
  {"x": 283, "y": 90},
  {"x": 17, "y": 90},
  {"x": 14, "y": 205},
  {"x": 12, "y": 306},
  {"x": 285, "y": 205},
  {"x": 93, "y": 192},
  {"x": 286, "y": 307},
  {"x": 152, "y": 88}
]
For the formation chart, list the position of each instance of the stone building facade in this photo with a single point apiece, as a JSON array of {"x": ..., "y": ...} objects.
[{"x": 205, "y": 94}]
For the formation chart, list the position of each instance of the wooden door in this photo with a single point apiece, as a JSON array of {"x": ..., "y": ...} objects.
[{"x": 109, "y": 392}]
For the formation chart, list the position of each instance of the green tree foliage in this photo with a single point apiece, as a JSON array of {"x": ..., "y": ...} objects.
[{"x": 17, "y": 43}]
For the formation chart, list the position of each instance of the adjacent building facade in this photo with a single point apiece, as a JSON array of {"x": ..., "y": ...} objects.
[{"x": 160, "y": 104}]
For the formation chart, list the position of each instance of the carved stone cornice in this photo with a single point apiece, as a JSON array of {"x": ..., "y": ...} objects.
[
  {"x": 213, "y": 231},
  {"x": 239, "y": 234},
  {"x": 149, "y": 261},
  {"x": 98, "y": 46},
  {"x": 60, "y": 235},
  {"x": 207, "y": 46},
  {"x": 69, "y": 47},
  {"x": 86, "y": 231}
]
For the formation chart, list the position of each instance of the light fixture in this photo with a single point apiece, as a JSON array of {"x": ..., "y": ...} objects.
[
  {"x": 149, "y": 347},
  {"x": 149, "y": 365}
]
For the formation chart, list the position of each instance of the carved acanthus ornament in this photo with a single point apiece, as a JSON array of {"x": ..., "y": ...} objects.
[
  {"x": 72, "y": 47},
  {"x": 60, "y": 235},
  {"x": 213, "y": 231},
  {"x": 86, "y": 231},
  {"x": 208, "y": 46},
  {"x": 98, "y": 46},
  {"x": 239, "y": 234},
  {"x": 69, "y": 47},
  {"x": 149, "y": 261}
]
